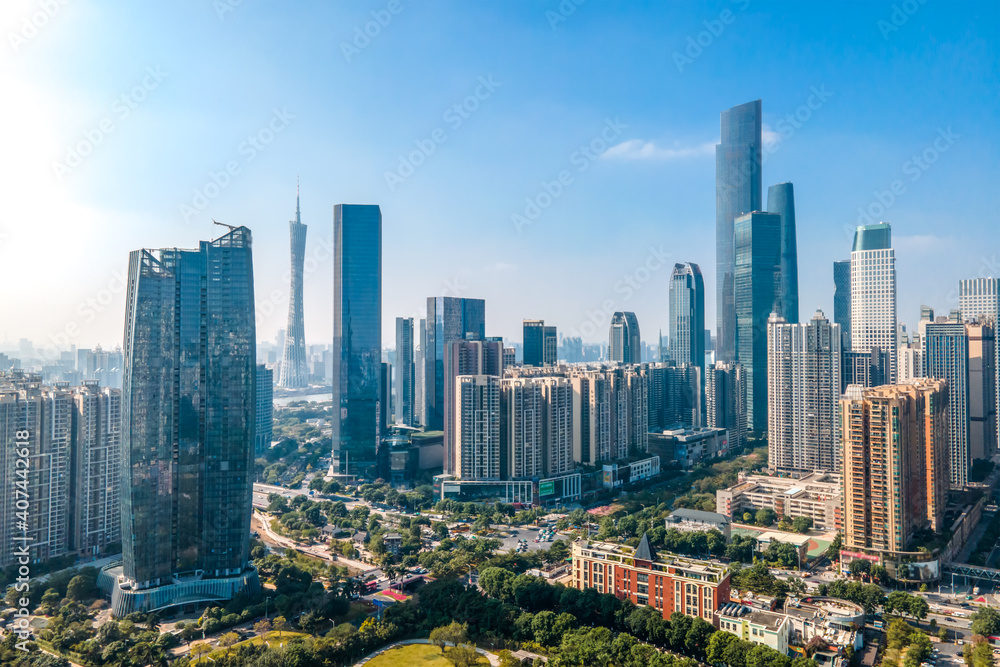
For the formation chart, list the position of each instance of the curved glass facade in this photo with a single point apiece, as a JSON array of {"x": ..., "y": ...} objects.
[{"x": 781, "y": 200}]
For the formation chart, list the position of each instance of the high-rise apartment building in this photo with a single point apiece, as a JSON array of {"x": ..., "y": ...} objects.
[
  {"x": 448, "y": 319},
  {"x": 95, "y": 470},
  {"x": 726, "y": 399},
  {"x": 982, "y": 389},
  {"x": 357, "y": 337},
  {"x": 189, "y": 415},
  {"x": 476, "y": 424},
  {"x": 591, "y": 417},
  {"x": 541, "y": 343},
  {"x": 738, "y": 190},
  {"x": 781, "y": 200},
  {"x": 895, "y": 458},
  {"x": 842, "y": 300},
  {"x": 873, "y": 294},
  {"x": 624, "y": 346},
  {"x": 464, "y": 357},
  {"x": 910, "y": 362},
  {"x": 264, "y": 410},
  {"x": 405, "y": 370},
  {"x": 979, "y": 298},
  {"x": 757, "y": 280},
  {"x": 294, "y": 369},
  {"x": 687, "y": 316},
  {"x": 537, "y": 426},
  {"x": 803, "y": 393}
]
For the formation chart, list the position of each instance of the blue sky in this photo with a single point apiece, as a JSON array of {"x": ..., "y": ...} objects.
[{"x": 620, "y": 100}]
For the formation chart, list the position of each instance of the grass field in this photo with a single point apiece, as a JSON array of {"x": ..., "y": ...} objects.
[
  {"x": 271, "y": 638},
  {"x": 411, "y": 655}
]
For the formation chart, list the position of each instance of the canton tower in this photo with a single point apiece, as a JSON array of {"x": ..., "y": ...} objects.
[{"x": 294, "y": 374}]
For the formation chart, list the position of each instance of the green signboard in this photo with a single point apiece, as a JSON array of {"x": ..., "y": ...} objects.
[{"x": 547, "y": 488}]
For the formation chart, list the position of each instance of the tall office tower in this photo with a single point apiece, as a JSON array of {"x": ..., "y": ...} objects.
[
  {"x": 909, "y": 365},
  {"x": 687, "y": 315},
  {"x": 45, "y": 415},
  {"x": 591, "y": 417},
  {"x": 624, "y": 346},
  {"x": 738, "y": 189},
  {"x": 265, "y": 410},
  {"x": 477, "y": 427},
  {"x": 757, "y": 279},
  {"x": 448, "y": 319},
  {"x": 873, "y": 294},
  {"x": 419, "y": 386},
  {"x": 982, "y": 388},
  {"x": 572, "y": 349},
  {"x": 294, "y": 369},
  {"x": 895, "y": 463},
  {"x": 540, "y": 343},
  {"x": 464, "y": 357},
  {"x": 95, "y": 470},
  {"x": 803, "y": 374},
  {"x": 357, "y": 337},
  {"x": 405, "y": 370},
  {"x": 979, "y": 298},
  {"x": 189, "y": 415},
  {"x": 946, "y": 357},
  {"x": 726, "y": 399},
  {"x": 781, "y": 200},
  {"x": 842, "y": 300},
  {"x": 509, "y": 357}
]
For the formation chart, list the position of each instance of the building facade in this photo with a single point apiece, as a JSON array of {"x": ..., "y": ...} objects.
[
  {"x": 264, "y": 410},
  {"x": 541, "y": 343},
  {"x": 405, "y": 371},
  {"x": 873, "y": 294},
  {"x": 624, "y": 346},
  {"x": 477, "y": 445},
  {"x": 465, "y": 357},
  {"x": 817, "y": 496},
  {"x": 738, "y": 190},
  {"x": 189, "y": 415},
  {"x": 294, "y": 369},
  {"x": 95, "y": 473},
  {"x": 895, "y": 463},
  {"x": 726, "y": 400},
  {"x": 665, "y": 582},
  {"x": 803, "y": 393},
  {"x": 781, "y": 200},
  {"x": 687, "y": 316},
  {"x": 357, "y": 338},
  {"x": 842, "y": 300},
  {"x": 946, "y": 357},
  {"x": 757, "y": 275},
  {"x": 448, "y": 319}
]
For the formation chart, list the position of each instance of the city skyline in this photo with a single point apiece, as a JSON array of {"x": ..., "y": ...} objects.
[{"x": 655, "y": 168}]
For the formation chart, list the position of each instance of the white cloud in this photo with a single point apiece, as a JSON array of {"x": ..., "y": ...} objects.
[
  {"x": 637, "y": 149},
  {"x": 769, "y": 138}
]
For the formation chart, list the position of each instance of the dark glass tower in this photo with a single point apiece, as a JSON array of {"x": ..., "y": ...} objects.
[
  {"x": 189, "y": 413},
  {"x": 842, "y": 300},
  {"x": 687, "y": 316},
  {"x": 294, "y": 370},
  {"x": 357, "y": 337},
  {"x": 540, "y": 343},
  {"x": 781, "y": 200},
  {"x": 623, "y": 339},
  {"x": 758, "y": 279},
  {"x": 448, "y": 318},
  {"x": 404, "y": 370},
  {"x": 737, "y": 191}
]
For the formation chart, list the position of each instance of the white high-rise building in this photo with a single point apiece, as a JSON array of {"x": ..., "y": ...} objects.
[
  {"x": 522, "y": 404},
  {"x": 979, "y": 298},
  {"x": 910, "y": 362},
  {"x": 873, "y": 294},
  {"x": 477, "y": 427},
  {"x": 804, "y": 362}
]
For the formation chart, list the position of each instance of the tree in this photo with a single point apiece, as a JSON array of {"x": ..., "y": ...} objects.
[
  {"x": 899, "y": 633},
  {"x": 803, "y": 661},
  {"x": 454, "y": 633},
  {"x": 200, "y": 650},
  {"x": 859, "y": 567},
  {"x": 802, "y": 524},
  {"x": 943, "y": 634},
  {"x": 227, "y": 640},
  {"x": 765, "y": 516},
  {"x": 497, "y": 583},
  {"x": 79, "y": 588},
  {"x": 986, "y": 621},
  {"x": 280, "y": 624},
  {"x": 262, "y": 627},
  {"x": 463, "y": 655}
]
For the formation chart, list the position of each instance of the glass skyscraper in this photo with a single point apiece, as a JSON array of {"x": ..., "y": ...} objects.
[
  {"x": 781, "y": 200},
  {"x": 842, "y": 300},
  {"x": 448, "y": 318},
  {"x": 873, "y": 295},
  {"x": 404, "y": 370},
  {"x": 623, "y": 339},
  {"x": 687, "y": 316},
  {"x": 737, "y": 191},
  {"x": 757, "y": 277},
  {"x": 540, "y": 343},
  {"x": 189, "y": 412},
  {"x": 357, "y": 337}
]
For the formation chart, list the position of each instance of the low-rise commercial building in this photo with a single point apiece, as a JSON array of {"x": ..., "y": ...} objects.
[
  {"x": 689, "y": 447},
  {"x": 688, "y": 521},
  {"x": 817, "y": 496},
  {"x": 666, "y": 582},
  {"x": 753, "y": 625}
]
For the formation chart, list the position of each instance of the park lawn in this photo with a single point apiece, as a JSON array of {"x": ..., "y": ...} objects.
[
  {"x": 410, "y": 655},
  {"x": 272, "y": 639}
]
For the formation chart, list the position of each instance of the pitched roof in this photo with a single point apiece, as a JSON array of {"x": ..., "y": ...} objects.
[{"x": 643, "y": 551}]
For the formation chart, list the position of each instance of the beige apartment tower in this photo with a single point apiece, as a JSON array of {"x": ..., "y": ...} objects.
[{"x": 895, "y": 458}]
